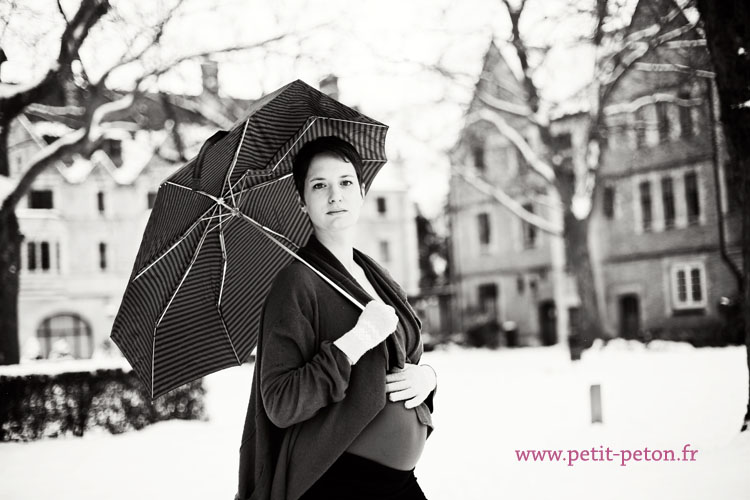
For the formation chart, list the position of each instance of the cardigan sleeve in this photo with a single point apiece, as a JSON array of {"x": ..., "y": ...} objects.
[{"x": 298, "y": 377}]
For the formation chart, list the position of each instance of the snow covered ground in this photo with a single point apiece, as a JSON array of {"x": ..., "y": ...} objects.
[{"x": 489, "y": 404}]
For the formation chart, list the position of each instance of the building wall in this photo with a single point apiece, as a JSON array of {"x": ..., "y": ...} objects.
[
  {"x": 73, "y": 229},
  {"x": 390, "y": 237},
  {"x": 659, "y": 126}
]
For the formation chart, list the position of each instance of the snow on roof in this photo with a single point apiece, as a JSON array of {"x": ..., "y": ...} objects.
[
  {"x": 137, "y": 150},
  {"x": 52, "y": 129},
  {"x": 569, "y": 107}
]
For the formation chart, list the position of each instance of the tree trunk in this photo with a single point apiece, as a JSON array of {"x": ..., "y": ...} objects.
[
  {"x": 4, "y": 159},
  {"x": 587, "y": 324},
  {"x": 727, "y": 27},
  {"x": 9, "y": 272}
]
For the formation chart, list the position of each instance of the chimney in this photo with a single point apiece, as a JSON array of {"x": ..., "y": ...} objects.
[
  {"x": 210, "y": 74},
  {"x": 329, "y": 85}
]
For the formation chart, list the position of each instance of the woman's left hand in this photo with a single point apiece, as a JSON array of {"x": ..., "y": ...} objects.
[{"x": 412, "y": 384}]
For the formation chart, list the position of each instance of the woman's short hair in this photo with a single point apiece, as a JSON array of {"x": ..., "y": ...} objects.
[{"x": 330, "y": 145}]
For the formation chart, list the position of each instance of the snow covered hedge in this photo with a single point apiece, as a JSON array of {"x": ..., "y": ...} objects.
[{"x": 37, "y": 405}]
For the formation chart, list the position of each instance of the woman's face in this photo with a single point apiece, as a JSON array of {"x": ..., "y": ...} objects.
[{"x": 333, "y": 197}]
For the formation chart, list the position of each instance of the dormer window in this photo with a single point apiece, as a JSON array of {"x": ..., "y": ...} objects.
[
  {"x": 41, "y": 199},
  {"x": 113, "y": 149}
]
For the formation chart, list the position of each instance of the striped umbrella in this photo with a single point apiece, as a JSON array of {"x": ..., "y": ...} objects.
[{"x": 221, "y": 228}]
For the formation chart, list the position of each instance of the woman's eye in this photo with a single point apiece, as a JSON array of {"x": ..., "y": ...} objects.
[
  {"x": 346, "y": 183},
  {"x": 318, "y": 185}
]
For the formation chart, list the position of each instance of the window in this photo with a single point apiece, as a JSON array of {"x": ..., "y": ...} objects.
[
  {"x": 686, "y": 116},
  {"x": 667, "y": 199},
  {"x": 100, "y": 201},
  {"x": 644, "y": 188},
  {"x": 39, "y": 256},
  {"x": 151, "y": 199},
  {"x": 609, "y": 202},
  {"x": 477, "y": 153},
  {"x": 520, "y": 284},
  {"x": 529, "y": 230},
  {"x": 692, "y": 200},
  {"x": 65, "y": 335},
  {"x": 488, "y": 298},
  {"x": 113, "y": 149},
  {"x": 662, "y": 120},
  {"x": 385, "y": 251},
  {"x": 103, "y": 256},
  {"x": 640, "y": 127},
  {"x": 31, "y": 256},
  {"x": 44, "y": 255},
  {"x": 562, "y": 142},
  {"x": 483, "y": 221},
  {"x": 688, "y": 286},
  {"x": 381, "y": 205},
  {"x": 41, "y": 199}
]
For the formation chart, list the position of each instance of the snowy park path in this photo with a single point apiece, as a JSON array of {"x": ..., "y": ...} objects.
[{"x": 489, "y": 404}]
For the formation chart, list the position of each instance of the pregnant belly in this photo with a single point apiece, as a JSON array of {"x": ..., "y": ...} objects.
[{"x": 395, "y": 438}]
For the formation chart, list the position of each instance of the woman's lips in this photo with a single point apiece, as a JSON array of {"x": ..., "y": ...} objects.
[{"x": 334, "y": 212}]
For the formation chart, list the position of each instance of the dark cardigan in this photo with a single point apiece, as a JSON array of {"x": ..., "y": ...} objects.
[{"x": 314, "y": 402}]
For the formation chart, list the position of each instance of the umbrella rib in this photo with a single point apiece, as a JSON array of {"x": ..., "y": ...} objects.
[
  {"x": 282, "y": 158},
  {"x": 221, "y": 291},
  {"x": 234, "y": 162},
  {"x": 224, "y": 263},
  {"x": 182, "y": 238},
  {"x": 295, "y": 142},
  {"x": 174, "y": 294},
  {"x": 265, "y": 231},
  {"x": 269, "y": 171},
  {"x": 231, "y": 344}
]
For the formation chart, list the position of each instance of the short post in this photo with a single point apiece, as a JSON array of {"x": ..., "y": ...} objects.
[{"x": 596, "y": 403}]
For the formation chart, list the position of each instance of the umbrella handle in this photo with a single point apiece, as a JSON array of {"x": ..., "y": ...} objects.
[{"x": 198, "y": 165}]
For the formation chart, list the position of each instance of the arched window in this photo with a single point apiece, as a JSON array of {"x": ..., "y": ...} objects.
[{"x": 65, "y": 335}]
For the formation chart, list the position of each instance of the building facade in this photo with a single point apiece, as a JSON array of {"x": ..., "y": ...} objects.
[
  {"x": 655, "y": 220},
  {"x": 82, "y": 223}
]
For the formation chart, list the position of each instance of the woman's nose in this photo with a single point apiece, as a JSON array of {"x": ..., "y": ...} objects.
[{"x": 334, "y": 195}]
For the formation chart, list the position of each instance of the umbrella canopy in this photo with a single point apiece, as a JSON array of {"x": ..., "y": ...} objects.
[{"x": 221, "y": 228}]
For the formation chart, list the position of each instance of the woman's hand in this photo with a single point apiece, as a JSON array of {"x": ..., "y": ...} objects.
[{"x": 413, "y": 384}]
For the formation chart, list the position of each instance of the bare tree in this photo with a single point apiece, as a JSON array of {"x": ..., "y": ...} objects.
[
  {"x": 572, "y": 185},
  {"x": 88, "y": 119},
  {"x": 727, "y": 26}
]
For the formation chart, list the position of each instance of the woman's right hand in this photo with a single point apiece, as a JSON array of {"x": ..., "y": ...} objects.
[{"x": 376, "y": 322}]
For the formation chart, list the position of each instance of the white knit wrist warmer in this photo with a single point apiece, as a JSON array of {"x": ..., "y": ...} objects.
[{"x": 358, "y": 341}]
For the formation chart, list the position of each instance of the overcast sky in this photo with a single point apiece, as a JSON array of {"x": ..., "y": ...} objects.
[{"x": 377, "y": 48}]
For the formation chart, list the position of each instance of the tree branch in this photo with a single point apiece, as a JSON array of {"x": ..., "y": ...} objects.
[
  {"x": 523, "y": 54},
  {"x": 88, "y": 14},
  {"x": 536, "y": 163},
  {"x": 674, "y": 68},
  {"x": 84, "y": 139},
  {"x": 633, "y": 106},
  {"x": 505, "y": 106},
  {"x": 155, "y": 39},
  {"x": 62, "y": 12},
  {"x": 508, "y": 202}
]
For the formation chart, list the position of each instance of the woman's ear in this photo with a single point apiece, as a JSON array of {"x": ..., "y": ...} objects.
[{"x": 301, "y": 203}]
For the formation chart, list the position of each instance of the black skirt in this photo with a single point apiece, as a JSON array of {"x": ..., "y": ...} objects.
[{"x": 353, "y": 477}]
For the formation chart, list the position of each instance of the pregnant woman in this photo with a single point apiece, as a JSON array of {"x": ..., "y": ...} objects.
[{"x": 340, "y": 407}]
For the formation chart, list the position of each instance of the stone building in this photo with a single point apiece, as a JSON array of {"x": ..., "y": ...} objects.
[
  {"x": 655, "y": 220},
  {"x": 83, "y": 220}
]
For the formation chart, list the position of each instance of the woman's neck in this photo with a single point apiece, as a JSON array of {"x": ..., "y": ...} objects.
[{"x": 341, "y": 245}]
